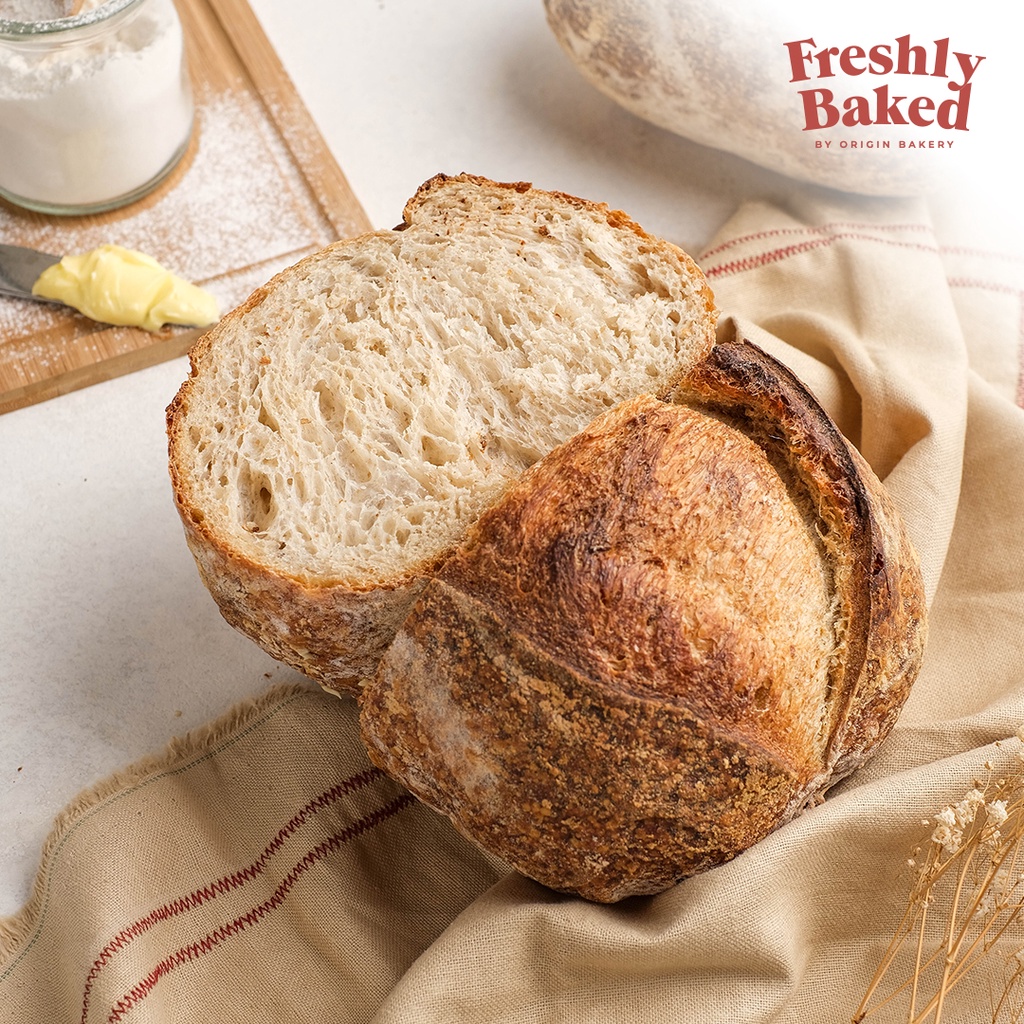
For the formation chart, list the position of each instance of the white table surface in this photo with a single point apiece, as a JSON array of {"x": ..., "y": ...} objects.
[{"x": 109, "y": 645}]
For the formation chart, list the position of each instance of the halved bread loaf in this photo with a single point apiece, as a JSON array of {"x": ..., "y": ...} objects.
[
  {"x": 666, "y": 638},
  {"x": 340, "y": 431}
]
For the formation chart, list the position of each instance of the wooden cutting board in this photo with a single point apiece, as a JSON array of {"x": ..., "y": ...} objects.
[{"x": 257, "y": 190}]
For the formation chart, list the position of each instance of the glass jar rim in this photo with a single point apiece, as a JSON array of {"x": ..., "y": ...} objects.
[{"x": 13, "y": 29}]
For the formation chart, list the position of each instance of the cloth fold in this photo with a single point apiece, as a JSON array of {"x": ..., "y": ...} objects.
[
  {"x": 262, "y": 870},
  {"x": 858, "y": 305}
]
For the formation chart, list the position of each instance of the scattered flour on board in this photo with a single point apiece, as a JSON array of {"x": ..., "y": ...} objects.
[{"x": 239, "y": 212}]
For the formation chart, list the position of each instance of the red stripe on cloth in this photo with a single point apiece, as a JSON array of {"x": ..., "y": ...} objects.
[
  {"x": 193, "y": 951},
  {"x": 826, "y": 234},
  {"x": 785, "y": 252},
  {"x": 818, "y": 229},
  {"x": 865, "y": 229},
  {"x": 228, "y": 883},
  {"x": 989, "y": 286},
  {"x": 987, "y": 254}
]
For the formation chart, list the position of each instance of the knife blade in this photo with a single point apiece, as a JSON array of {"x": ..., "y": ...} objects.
[{"x": 20, "y": 269}]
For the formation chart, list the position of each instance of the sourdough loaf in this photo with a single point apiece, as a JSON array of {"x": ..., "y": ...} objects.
[
  {"x": 338, "y": 433},
  {"x": 721, "y": 75},
  {"x": 665, "y": 639}
]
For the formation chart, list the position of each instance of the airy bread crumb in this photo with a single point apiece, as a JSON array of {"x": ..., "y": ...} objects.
[{"x": 342, "y": 429}]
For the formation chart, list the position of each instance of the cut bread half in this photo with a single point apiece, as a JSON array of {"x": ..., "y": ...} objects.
[{"x": 340, "y": 431}]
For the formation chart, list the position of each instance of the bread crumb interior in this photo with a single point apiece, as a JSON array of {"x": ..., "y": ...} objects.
[{"x": 353, "y": 425}]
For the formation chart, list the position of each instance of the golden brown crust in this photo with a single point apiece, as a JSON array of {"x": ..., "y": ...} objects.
[
  {"x": 878, "y": 576},
  {"x": 587, "y": 788},
  {"x": 668, "y": 637},
  {"x": 333, "y": 633}
]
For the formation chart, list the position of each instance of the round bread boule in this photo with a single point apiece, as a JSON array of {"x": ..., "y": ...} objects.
[{"x": 669, "y": 636}]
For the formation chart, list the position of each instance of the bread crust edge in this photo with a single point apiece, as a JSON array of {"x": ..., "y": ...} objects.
[{"x": 881, "y": 588}]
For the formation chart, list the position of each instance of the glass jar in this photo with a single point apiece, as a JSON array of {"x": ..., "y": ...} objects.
[{"x": 95, "y": 109}]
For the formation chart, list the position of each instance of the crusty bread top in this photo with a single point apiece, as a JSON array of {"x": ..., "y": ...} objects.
[
  {"x": 664, "y": 640},
  {"x": 880, "y": 615},
  {"x": 349, "y": 421},
  {"x": 661, "y": 550}
]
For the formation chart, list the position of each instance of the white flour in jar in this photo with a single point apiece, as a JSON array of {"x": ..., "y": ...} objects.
[
  {"x": 34, "y": 10},
  {"x": 94, "y": 113}
]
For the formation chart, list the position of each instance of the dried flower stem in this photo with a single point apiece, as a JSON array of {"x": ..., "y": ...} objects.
[{"x": 970, "y": 873}]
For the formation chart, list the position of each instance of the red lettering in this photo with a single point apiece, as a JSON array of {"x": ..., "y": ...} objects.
[
  {"x": 822, "y": 108},
  {"x": 904, "y": 53},
  {"x": 799, "y": 58},
  {"x": 888, "y": 111},
  {"x": 857, "y": 111},
  {"x": 881, "y": 60},
  {"x": 915, "y": 108},
  {"x": 953, "y": 113},
  {"x": 824, "y": 59},
  {"x": 817, "y": 105},
  {"x": 848, "y": 56},
  {"x": 967, "y": 69}
]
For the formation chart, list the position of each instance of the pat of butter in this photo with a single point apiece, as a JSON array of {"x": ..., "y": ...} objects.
[{"x": 120, "y": 286}]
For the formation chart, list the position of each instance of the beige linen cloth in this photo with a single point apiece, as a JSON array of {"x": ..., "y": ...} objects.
[{"x": 261, "y": 870}]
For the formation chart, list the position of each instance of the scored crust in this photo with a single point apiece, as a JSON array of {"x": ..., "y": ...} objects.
[
  {"x": 492, "y": 324},
  {"x": 668, "y": 637},
  {"x": 882, "y": 616}
]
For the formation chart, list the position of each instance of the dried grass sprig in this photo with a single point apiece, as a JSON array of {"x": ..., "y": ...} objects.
[{"x": 969, "y": 876}]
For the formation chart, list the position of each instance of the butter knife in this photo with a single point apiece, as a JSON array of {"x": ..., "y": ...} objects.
[{"x": 20, "y": 269}]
